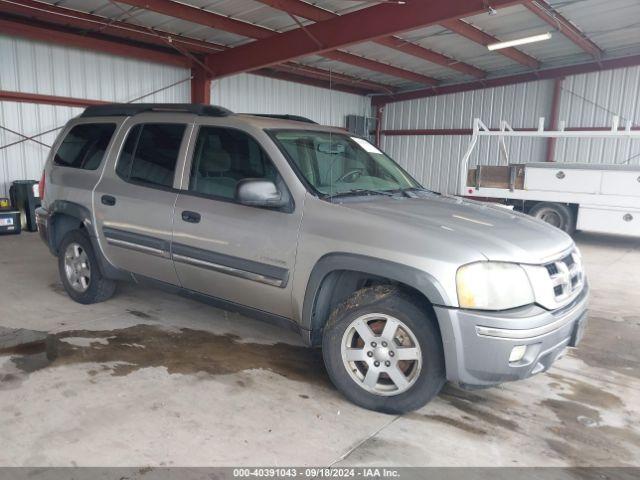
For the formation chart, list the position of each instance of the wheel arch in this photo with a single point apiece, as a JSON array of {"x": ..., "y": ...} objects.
[
  {"x": 336, "y": 276},
  {"x": 66, "y": 216}
]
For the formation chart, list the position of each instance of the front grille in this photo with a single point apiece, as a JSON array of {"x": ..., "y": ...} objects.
[{"x": 566, "y": 276}]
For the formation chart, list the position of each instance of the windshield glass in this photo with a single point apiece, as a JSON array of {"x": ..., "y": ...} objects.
[{"x": 337, "y": 164}]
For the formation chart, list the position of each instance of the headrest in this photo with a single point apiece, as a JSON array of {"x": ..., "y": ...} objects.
[{"x": 214, "y": 161}]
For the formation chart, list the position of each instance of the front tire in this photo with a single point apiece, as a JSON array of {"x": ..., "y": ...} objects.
[
  {"x": 79, "y": 271},
  {"x": 383, "y": 351}
]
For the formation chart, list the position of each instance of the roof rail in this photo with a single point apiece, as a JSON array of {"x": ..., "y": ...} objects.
[
  {"x": 130, "y": 109},
  {"x": 295, "y": 118}
]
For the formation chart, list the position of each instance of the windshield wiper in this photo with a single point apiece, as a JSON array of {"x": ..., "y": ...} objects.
[
  {"x": 361, "y": 191},
  {"x": 417, "y": 189}
]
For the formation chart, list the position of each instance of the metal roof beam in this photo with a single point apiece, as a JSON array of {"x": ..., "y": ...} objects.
[
  {"x": 550, "y": 73},
  {"x": 387, "y": 69},
  {"x": 478, "y": 36},
  {"x": 543, "y": 10},
  {"x": 322, "y": 74},
  {"x": 317, "y": 14},
  {"x": 69, "y": 18},
  {"x": 23, "y": 97},
  {"x": 25, "y": 28},
  {"x": 221, "y": 22},
  {"x": 306, "y": 80},
  {"x": 404, "y": 46},
  {"x": 202, "y": 17},
  {"x": 360, "y": 26}
]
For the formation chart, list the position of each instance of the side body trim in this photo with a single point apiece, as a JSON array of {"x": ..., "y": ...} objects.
[
  {"x": 137, "y": 242},
  {"x": 239, "y": 267}
]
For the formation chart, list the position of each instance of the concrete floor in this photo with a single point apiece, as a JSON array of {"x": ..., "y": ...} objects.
[{"x": 151, "y": 379}]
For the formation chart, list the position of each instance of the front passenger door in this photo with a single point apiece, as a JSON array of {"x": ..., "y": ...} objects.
[{"x": 235, "y": 252}]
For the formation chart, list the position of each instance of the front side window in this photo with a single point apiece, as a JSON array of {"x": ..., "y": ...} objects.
[
  {"x": 150, "y": 153},
  {"x": 335, "y": 164},
  {"x": 222, "y": 157},
  {"x": 85, "y": 145}
]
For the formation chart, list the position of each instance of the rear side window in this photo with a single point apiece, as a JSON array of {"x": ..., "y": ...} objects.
[
  {"x": 150, "y": 154},
  {"x": 84, "y": 146}
]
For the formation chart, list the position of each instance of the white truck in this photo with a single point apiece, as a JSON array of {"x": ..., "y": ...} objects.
[{"x": 602, "y": 198}]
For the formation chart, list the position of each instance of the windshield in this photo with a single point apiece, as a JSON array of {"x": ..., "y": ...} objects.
[{"x": 336, "y": 164}]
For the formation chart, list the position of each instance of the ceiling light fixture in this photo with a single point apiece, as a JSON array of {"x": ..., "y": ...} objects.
[{"x": 519, "y": 41}]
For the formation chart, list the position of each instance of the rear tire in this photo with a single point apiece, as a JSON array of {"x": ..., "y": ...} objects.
[
  {"x": 558, "y": 215},
  {"x": 392, "y": 370},
  {"x": 79, "y": 270}
]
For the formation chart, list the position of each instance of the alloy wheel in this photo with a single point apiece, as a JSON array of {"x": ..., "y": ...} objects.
[{"x": 381, "y": 354}]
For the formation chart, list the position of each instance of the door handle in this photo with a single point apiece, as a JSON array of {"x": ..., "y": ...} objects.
[
  {"x": 191, "y": 217},
  {"x": 108, "y": 200}
]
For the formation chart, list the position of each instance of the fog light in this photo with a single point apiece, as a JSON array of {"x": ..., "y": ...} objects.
[{"x": 517, "y": 353}]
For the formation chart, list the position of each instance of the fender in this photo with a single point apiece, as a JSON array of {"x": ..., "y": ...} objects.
[
  {"x": 82, "y": 214},
  {"x": 57, "y": 230},
  {"x": 418, "y": 279}
]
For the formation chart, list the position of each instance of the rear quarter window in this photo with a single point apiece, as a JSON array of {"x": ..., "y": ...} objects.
[{"x": 85, "y": 145}]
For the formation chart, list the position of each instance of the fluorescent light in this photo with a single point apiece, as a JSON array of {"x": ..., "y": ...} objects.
[{"x": 519, "y": 41}]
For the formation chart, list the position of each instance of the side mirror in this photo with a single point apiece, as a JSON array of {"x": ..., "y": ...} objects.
[{"x": 259, "y": 193}]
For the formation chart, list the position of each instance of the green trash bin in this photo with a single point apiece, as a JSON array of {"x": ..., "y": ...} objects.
[{"x": 25, "y": 197}]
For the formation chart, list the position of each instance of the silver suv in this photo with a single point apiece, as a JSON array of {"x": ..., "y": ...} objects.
[{"x": 317, "y": 230}]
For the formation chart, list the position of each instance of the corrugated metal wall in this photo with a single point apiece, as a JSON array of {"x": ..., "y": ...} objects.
[
  {"x": 36, "y": 67},
  {"x": 435, "y": 160},
  {"x": 591, "y": 100},
  {"x": 257, "y": 94},
  {"x": 588, "y": 100}
]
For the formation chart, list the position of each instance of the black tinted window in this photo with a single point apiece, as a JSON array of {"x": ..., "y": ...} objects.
[
  {"x": 223, "y": 157},
  {"x": 84, "y": 145},
  {"x": 150, "y": 153}
]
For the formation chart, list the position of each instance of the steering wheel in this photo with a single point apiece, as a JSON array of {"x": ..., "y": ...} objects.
[{"x": 355, "y": 173}]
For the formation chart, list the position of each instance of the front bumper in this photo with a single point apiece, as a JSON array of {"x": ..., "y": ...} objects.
[{"x": 478, "y": 344}]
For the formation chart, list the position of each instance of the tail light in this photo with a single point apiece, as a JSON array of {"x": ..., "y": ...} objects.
[{"x": 41, "y": 186}]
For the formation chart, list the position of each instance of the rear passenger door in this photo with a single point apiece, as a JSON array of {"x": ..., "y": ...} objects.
[
  {"x": 235, "y": 252},
  {"x": 135, "y": 198}
]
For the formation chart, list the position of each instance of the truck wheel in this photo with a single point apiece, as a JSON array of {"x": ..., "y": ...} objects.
[
  {"x": 383, "y": 352},
  {"x": 79, "y": 271},
  {"x": 557, "y": 214}
]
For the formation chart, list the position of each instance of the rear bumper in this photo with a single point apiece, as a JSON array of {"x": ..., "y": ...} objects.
[
  {"x": 478, "y": 344},
  {"x": 43, "y": 222}
]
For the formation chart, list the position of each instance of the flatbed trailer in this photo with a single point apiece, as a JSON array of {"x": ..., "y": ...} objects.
[{"x": 602, "y": 198}]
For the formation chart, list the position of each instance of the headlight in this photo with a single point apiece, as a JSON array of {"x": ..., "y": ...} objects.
[{"x": 493, "y": 286}]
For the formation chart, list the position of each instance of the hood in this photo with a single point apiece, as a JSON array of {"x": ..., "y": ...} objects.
[{"x": 495, "y": 232}]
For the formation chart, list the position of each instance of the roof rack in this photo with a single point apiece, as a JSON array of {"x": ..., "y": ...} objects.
[
  {"x": 130, "y": 109},
  {"x": 295, "y": 118}
]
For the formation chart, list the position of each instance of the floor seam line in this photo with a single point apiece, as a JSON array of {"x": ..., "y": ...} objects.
[{"x": 365, "y": 440}]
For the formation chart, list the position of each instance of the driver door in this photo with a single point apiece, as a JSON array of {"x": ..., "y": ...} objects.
[{"x": 235, "y": 252}]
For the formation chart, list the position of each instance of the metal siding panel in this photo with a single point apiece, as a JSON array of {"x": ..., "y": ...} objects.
[
  {"x": 36, "y": 67},
  {"x": 435, "y": 160},
  {"x": 588, "y": 100},
  {"x": 591, "y": 100},
  {"x": 256, "y": 94}
]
